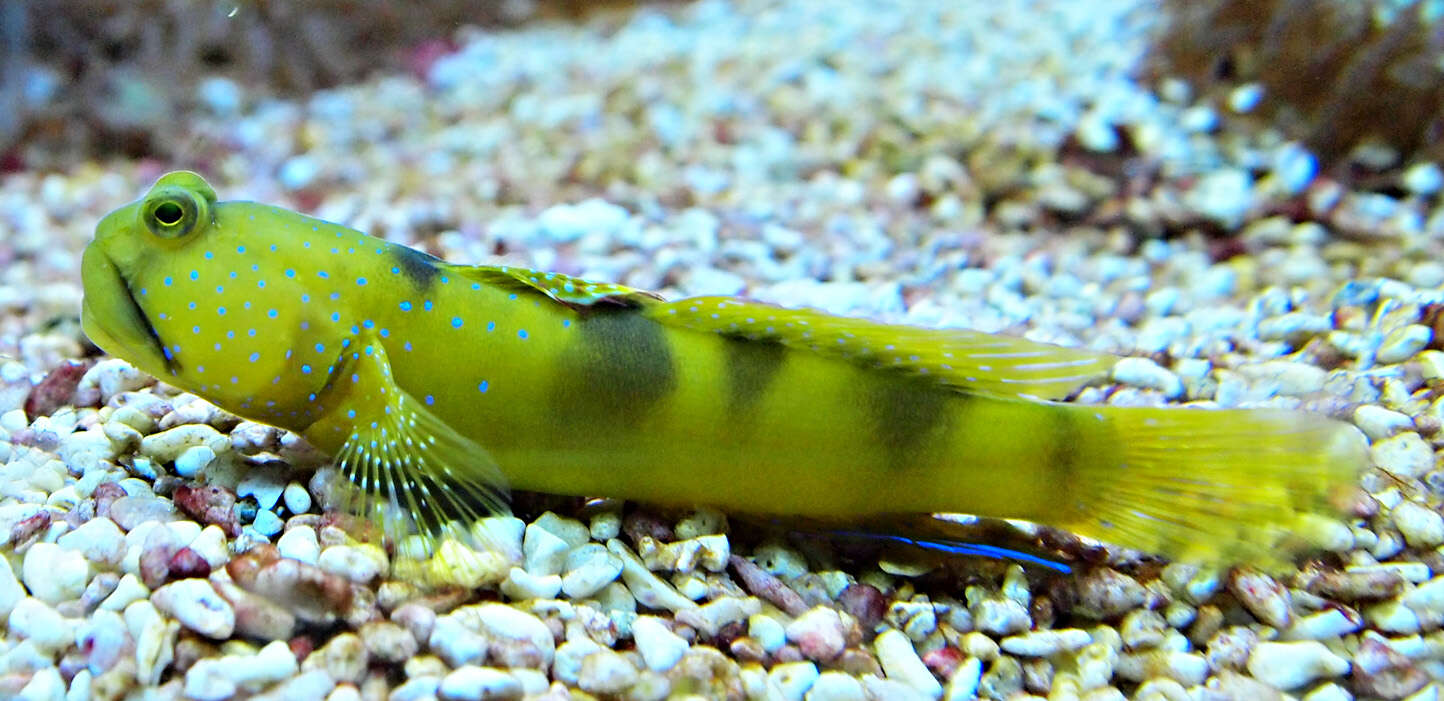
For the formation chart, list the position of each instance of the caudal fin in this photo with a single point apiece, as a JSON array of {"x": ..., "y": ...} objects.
[{"x": 1216, "y": 486}]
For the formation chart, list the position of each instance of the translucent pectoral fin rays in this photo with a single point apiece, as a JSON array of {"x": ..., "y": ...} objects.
[{"x": 427, "y": 485}]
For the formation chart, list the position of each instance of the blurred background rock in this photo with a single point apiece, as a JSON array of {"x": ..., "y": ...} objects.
[
  {"x": 1360, "y": 82},
  {"x": 84, "y": 78}
]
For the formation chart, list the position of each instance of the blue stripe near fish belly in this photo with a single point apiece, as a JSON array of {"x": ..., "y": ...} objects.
[{"x": 616, "y": 369}]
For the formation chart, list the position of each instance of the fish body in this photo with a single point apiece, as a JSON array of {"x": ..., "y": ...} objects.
[{"x": 438, "y": 385}]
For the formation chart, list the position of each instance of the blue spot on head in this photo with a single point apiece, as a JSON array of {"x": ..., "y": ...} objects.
[
  {"x": 251, "y": 333},
  {"x": 456, "y": 322},
  {"x": 233, "y": 274},
  {"x": 521, "y": 333},
  {"x": 306, "y": 370},
  {"x": 272, "y": 313},
  {"x": 491, "y": 326},
  {"x": 290, "y": 272},
  {"x": 406, "y": 345},
  {"x": 430, "y": 399},
  {"x": 142, "y": 291},
  {"x": 195, "y": 274},
  {"x": 305, "y": 298},
  {"x": 255, "y": 357},
  {"x": 426, "y": 305},
  {"x": 385, "y": 333},
  {"x": 445, "y": 279},
  {"x": 405, "y": 306},
  {"x": 368, "y": 323},
  {"x": 210, "y": 255},
  {"x": 335, "y": 295},
  {"x": 335, "y": 316},
  {"x": 273, "y": 247},
  {"x": 566, "y": 323},
  {"x": 230, "y": 334},
  {"x": 195, "y": 329},
  {"x": 483, "y": 386},
  {"x": 360, "y": 280},
  {"x": 511, "y": 296},
  {"x": 221, "y": 310},
  {"x": 240, "y": 249},
  {"x": 350, "y": 413},
  {"x": 305, "y": 325},
  {"x": 192, "y": 305},
  {"x": 168, "y": 281},
  {"x": 323, "y": 273},
  {"x": 395, "y": 270},
  {"x": 320, "y": 348}
]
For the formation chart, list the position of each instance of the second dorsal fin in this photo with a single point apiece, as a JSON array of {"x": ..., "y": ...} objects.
[{"x": 967, "y": 360}]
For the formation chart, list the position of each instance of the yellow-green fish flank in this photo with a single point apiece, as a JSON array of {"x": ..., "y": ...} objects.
[{"x": 438, "y": 385}]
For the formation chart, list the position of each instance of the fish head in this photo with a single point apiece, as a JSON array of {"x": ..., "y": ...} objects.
[
  {"x": 214, "y": 296},
  {"x": 133, "y": 246}
]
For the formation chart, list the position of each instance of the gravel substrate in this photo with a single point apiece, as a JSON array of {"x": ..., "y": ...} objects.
[{"x": 981, "y": 165}]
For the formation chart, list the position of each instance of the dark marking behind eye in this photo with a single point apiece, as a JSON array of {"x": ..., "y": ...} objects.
[{"x": 421, "y": 269}]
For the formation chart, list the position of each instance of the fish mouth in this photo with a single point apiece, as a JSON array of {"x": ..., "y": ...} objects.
[{"x": 113, "y": 319}]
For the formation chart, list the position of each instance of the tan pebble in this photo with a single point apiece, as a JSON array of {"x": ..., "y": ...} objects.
[{"x": 1263, "y": 596}]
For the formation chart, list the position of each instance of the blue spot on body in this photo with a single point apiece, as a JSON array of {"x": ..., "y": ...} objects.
[
  {"x": 323, "y": 273},
  {"x": 566, "y": 323},
  {"x": 320, "y": 348},
  {"x": 195, "y": 275},
  {"x": 210, "y": 255},
  {"x": 406, "y": 345},
  {"x": 272, "y": 313},
  {"x": 255, "y": 357},
  {"x": 335, "y": 316},
  {"x": 221, "y": 310},
  {"x": 260, "y": 283},
  {"x": 306, "y": 370},
  {"x": 521, "y": 333},
  {"x": 168, "y": 281},
  {"x": 483, "y": 386},
  {"x": 405, "y": 306},
  {"x": 350, "y": 413},
  {"x": 430, "y": 399},
  {"x": 456, "y": 322},
  {"x": 385, "y": 333},
  {"x": 426, "y": 305},
  {"x": 491, "y": 326},
  {"x": 290, "y": 272},
  {"x": 240, "y": 249},
  {"x": 360, "y": 280},
  {"x": 368, "y": 323}
]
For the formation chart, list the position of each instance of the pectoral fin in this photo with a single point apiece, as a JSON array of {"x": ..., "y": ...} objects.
[{"x": 426, "y": 484}]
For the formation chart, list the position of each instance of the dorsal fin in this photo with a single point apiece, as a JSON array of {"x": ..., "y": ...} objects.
[
  {"x": 568, "y": 290},
  {"x": 971, "y": 361}
]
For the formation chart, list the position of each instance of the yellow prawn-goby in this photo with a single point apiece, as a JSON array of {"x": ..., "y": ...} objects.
[{"x": 436, "y": 386}]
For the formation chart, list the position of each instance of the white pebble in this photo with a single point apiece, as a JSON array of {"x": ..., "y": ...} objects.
[
  {"x": 1424, "y": 178},
  {"x": 1291, "y": 665},
  {"x": 45, "y": 685},
  {"x": 1402, "y": 343},
  {"x": 606, "y": 672},
  {"x": 589, "y": 568},
  {"x": 34, "y": 620},
  {"x": 1406, "y": 455},
  {"x": 358, "y": 563},
  {"x": 195, "y": 603},
  {"x": 659, "y": 646},
  {"x": 267, "y": 523},
  {"x": 473, "y": 683},
  {"x": 820, "y": 634},
  {"x": 1379, "y": 423},
  {"x": 167, "y": 445},
  {"x": 1421, "y": 526},
  {"x": 297, "y": 499},
  {"x": 194, "y": 459},
  {"x": 901, "y": 663},
  {"x": 518, "y": 639},
  {"x": 767, "y": 631},
  {"x": 1046, "y": 643},
  {"x": 10, "y": 590},
  {"x": 792, "y": 680},
  {"x": 98, "y": 539},
  {"x": 127, "y": 591},
  {"x": 1142, "y": 372},
  {"x": 300, "y": 543},
  {"x": 456, "y": 644},
  {"x": 833, "y": 685},
  {"x": 544, "y": 552},
  {"x": 54, "y": 574}
]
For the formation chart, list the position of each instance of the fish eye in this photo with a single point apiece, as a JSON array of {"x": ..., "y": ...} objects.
[{"x": 171, "y": 215}]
